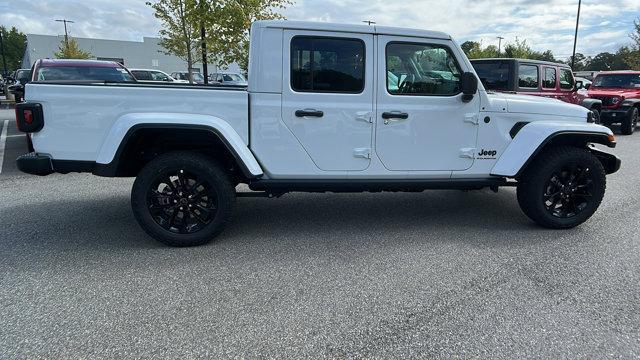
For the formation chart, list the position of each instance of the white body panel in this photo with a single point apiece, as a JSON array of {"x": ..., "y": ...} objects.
[
  {"x": 78, "y": 118},
  {"x": 443, "y": 137}
]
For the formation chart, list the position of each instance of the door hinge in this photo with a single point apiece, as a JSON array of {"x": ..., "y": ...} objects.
[
  {"x": 468, "y": 153},
  {"x": 362, "y": 153},
  {"x": 365, "y": 116},
  {"x": 471, "y": 118}
]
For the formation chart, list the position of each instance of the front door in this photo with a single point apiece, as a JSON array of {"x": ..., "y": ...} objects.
[
  {"x": 422, "y": 122},
  {"x": 327, "y": 97}
]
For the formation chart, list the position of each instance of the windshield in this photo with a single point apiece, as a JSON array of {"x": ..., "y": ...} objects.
[
  {"x": 494, "y": 75},
  {"x": 623, "y": 81},
  {"x": 197, "y": 77},
  {"x": 111, "y": 74},
  {"x": 233, "y": 77}
]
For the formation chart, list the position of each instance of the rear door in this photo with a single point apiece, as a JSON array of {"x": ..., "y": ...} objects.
[{"x": 327, "y": 96}]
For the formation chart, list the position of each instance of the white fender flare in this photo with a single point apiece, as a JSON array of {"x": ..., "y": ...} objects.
[
  {"x": 128, "y": 123},
  {"x": 534, "y": 136}
]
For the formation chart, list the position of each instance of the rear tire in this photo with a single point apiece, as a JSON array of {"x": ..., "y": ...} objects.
[
  {"x": 562, "y": 188},
  {"x": 629, "y": 124},
  {"x": 182, "y": 199}
]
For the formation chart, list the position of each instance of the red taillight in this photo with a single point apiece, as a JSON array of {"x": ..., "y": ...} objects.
[{"x": 28, "y": 116}]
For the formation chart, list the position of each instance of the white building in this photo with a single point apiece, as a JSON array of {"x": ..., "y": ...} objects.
[{"x": 147, "y": 54}]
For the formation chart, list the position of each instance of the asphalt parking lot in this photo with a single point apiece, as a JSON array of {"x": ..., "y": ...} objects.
[{"x": 433, "y": 274}]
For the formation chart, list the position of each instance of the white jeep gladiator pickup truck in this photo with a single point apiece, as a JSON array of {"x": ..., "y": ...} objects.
[{"x": 329, "y": 108}]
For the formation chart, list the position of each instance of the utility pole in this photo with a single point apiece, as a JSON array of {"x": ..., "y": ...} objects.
[
  {"x": 500, "y": 38},
  {"x": 203, "y": 38},
  {"x": 66, "y": 35},
  {"x": 369, "y": 22},
  {"x": 575, "y": 37},
  {"x": 4, "y": 61}
]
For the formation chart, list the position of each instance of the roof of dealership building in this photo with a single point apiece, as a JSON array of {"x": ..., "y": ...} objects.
[{"x": 147, "y": 53}]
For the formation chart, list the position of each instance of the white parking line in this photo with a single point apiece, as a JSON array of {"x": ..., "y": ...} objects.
[{"x": 3, "y": 140}]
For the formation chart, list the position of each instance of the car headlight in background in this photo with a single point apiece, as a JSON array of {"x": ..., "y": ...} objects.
[{"x": 614, "y": 100}]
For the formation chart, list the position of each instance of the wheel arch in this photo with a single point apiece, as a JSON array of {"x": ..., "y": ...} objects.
[
  {"x": 527, "y": 145},
  {"x": 134, "y": 141}
]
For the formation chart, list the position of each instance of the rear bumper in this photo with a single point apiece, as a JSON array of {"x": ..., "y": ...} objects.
[{"x": 35, "y": 164}]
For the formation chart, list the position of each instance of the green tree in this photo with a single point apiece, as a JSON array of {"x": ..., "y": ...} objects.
[
  {"x": 519, "y": 50},
  {"x": 71, "y": 50},
  {"x": 580, "y": 63},
  {"x": 180, "y": 31},
  {"x": 474, "y": 50},
  {"x": 632, "y": 56},
  {"x": 15, "y": 44},
  {"x": 227, "y": 23}
]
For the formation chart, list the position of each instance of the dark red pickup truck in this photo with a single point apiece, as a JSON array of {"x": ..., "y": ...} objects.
[
  {"x": 619, "y": 92},
  {"x": 534, "y": 77}
]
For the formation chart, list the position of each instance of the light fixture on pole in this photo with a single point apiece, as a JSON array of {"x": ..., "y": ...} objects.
[
  {"x": 575, "y": 37},
  {"x": 66, "y": 35}
]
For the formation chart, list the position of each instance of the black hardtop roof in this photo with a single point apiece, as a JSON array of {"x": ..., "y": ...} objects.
[{"x": 531, "y": 61}]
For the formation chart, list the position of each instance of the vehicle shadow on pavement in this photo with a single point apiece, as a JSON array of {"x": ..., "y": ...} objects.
[{"x": 480, "y": 218}]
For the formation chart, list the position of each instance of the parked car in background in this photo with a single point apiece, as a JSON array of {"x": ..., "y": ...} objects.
[
  {"x": 228, "y": 78},
  {"x": 533, "y": 77},
  {"x": 16, "y": 86},
  {"x": 619, "y": 92},
  {"x": 153, "y": 75},
  {"x": 582, "y": 86},
  {"x": 184, "y": 75}
]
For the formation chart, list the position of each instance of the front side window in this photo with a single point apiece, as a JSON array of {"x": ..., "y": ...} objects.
[
  {"x": 566, "y": 79},
  {"x": 549, "y": 80},
  {"x": 421, "y": 69},
  {"x": 159, "y": 76},
  {"x": 321, "y": 64},
  {"x": 528, "y": 76}
]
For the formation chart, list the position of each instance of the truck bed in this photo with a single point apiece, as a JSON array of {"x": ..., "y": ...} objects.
[{"x": 79, "y": 116}]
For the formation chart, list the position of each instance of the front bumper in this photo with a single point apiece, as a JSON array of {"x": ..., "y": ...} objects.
[
  {"x": 610, "y": 162},
  {"x": 614, "y": 115}
]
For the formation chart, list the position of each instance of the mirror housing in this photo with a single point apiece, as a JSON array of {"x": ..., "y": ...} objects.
[{"x": 469, "y": 86}]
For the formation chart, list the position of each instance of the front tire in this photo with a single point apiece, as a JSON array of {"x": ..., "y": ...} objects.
[
  {"x": 182, "y": 199},
  {"x": 629, "y": 124},
  {"x": 562, "y": 188}
]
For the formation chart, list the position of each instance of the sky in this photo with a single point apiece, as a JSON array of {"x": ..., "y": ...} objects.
[{"x": 545, "y": 24}]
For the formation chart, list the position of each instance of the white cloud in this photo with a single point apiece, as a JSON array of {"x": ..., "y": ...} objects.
[{"x": 546, "y": 24}]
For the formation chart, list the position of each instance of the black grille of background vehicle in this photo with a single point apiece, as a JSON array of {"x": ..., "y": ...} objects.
[{"x": 606, "y": 100}]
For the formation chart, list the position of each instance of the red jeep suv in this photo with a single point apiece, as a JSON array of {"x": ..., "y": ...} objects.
[{"x": 620, "y": 95}]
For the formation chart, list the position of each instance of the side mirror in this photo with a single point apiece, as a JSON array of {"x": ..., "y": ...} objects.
[
  {"x": 469, "y": 86},
  {"x": 587, "y": 86}
]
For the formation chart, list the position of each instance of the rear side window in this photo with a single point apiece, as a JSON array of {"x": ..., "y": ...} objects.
[
  {"x": 495, "y": 75},
  {"x": 320, "y": 64},
  {"x": 141, "y": 75},
  {"x": 528, "y": 76},
  {"x": 549, "y": 80},
  {"x": 566, "y": 79}
]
